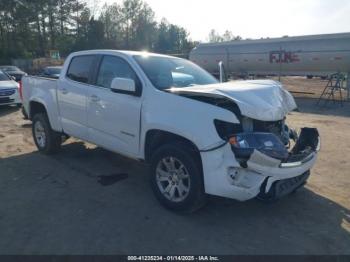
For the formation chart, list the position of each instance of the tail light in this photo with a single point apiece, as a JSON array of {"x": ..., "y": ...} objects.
[{"x": 20, "y": 90}]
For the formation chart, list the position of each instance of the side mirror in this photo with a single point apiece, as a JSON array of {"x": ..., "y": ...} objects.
[
  {"x": 222, "y": 72},
  {"x": 123, "y": 85}
]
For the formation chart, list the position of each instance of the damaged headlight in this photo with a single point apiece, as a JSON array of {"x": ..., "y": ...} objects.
[{"x": 244, "y": 144}]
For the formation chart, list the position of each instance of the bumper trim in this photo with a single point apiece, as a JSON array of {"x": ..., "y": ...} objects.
[
  {"x": 283, "y": 187},
  {"x": 297, "y": 163},
  {"x": 316, "y": 149}
]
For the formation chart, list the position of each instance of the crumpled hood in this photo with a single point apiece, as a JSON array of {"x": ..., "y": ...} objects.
[{"x": 264, "y": 100}]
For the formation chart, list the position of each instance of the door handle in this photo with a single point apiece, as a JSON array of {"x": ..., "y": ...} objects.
[
  {"x": 64, "y": 91},
  {"x": 94, "y": 98}
]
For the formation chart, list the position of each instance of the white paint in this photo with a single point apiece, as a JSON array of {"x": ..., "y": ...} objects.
[
  {"x": 264, "y": 100},
  {"x": 120, "y": 122}
]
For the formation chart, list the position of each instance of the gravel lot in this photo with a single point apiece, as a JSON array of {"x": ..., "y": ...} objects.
[{"x": 86, "y": 200}]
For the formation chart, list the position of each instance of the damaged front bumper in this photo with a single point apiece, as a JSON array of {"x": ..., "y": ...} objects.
[{"x": 258, "y": 174}]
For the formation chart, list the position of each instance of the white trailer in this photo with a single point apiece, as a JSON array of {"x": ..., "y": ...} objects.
[{"x": 315, "y": 55}]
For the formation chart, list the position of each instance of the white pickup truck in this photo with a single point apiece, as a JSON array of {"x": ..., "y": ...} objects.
[{"x": 200, "y": 136}]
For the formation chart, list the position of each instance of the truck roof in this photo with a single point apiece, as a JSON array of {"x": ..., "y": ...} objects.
[{"x": 112, "y": 51}]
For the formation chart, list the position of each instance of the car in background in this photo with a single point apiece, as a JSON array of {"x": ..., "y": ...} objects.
[
  {"x": 51, "y": 72},
  {"x": 13, "y": 71},
  {"x": 9, "y": 90}
]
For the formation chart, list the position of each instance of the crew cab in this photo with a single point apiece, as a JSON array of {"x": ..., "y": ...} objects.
[{"x": 198, "y": 135}]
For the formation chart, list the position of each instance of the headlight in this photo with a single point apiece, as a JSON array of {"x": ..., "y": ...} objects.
[
  {"x": 244, "y": 145},
  {"x": 226, "y": 129}
]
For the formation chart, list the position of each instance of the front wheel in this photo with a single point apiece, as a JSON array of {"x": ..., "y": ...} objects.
[
  {"x": 47, "y": 140},
  {"x": 176, "y": 177}
]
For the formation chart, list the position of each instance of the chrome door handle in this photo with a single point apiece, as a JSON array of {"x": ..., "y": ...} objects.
[
  {"x": 64, "y": 91},
  {"x": 94, "y": 98}
]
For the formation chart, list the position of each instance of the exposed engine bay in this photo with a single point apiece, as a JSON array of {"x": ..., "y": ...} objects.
[{"x": 272, "y": 138}]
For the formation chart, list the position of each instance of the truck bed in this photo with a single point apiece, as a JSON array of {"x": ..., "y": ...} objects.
[{"x": 42, "y": 90}]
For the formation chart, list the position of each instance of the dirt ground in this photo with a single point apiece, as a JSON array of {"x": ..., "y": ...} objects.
[{"x": 86, "y": 200}]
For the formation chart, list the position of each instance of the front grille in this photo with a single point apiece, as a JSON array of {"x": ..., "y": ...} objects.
[
  {"x": 274, "y": 127},
  {"x": 6, "y": 100},
  {"x": 7, "y": 92}
]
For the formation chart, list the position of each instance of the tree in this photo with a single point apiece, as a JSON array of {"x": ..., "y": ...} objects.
[
  {"x": 172, "y": 39},
  {"x": 215, "y": 37},
  {"x": 111, "y": 19},
  {"x": 30, "y": 28}
]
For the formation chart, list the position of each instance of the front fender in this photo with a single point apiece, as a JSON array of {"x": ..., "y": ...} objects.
[{"x": 191, "y": 119}]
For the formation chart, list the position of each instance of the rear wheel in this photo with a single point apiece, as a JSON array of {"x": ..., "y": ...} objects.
[
  {"x": 46, "y": 140},
  {"x": 24, "y": 113},
  {"x": 176, "y": 177}
]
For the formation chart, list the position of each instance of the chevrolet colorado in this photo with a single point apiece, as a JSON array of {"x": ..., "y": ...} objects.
[{"x": 198, "y": 135}]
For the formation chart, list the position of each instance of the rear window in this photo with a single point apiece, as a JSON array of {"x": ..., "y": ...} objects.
[{"x": 79, "y": 68}]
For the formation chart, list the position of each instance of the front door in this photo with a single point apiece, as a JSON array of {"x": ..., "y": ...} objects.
[{"x": 114, "y": 118}]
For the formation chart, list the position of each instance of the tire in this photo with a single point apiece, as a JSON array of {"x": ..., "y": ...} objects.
[
  {"x": 167, "y": 184},
  {"x": 46, "y": 140},
  {"x": 24, "y": 113}
]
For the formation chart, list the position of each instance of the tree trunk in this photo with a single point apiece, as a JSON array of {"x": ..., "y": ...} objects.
[
  {"x": 43, "y": 26},
  {"x": 41, "y": 50},
  {"x": 51, "y": 29}
]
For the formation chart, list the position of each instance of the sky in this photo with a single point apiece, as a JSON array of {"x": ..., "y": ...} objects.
[{"x": 253, "y": 18}]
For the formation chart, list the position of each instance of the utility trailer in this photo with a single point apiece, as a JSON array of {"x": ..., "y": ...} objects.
[{"x": 314, "y": 55}]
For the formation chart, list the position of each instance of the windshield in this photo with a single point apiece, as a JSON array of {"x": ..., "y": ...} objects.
[
  {"x": 167, "y": 72},
  {"x": 10, "y": 68},
  {"x": 3, "y": 76}
]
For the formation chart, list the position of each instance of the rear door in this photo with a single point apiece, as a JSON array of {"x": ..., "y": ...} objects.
[
  {"x": 114, "y": 118},
  {"x": 72, "y": 95}
]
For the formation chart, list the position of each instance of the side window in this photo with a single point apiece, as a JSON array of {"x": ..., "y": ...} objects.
[
  {"x": 112, "y": 67},
  {"x": 79, "y": 68}
]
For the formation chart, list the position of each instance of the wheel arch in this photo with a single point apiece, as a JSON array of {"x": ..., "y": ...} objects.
[
  {"x": 36, "y": 107},
  {"x": 155, "y": 138},
  {"x": 39, "y": 105}
]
